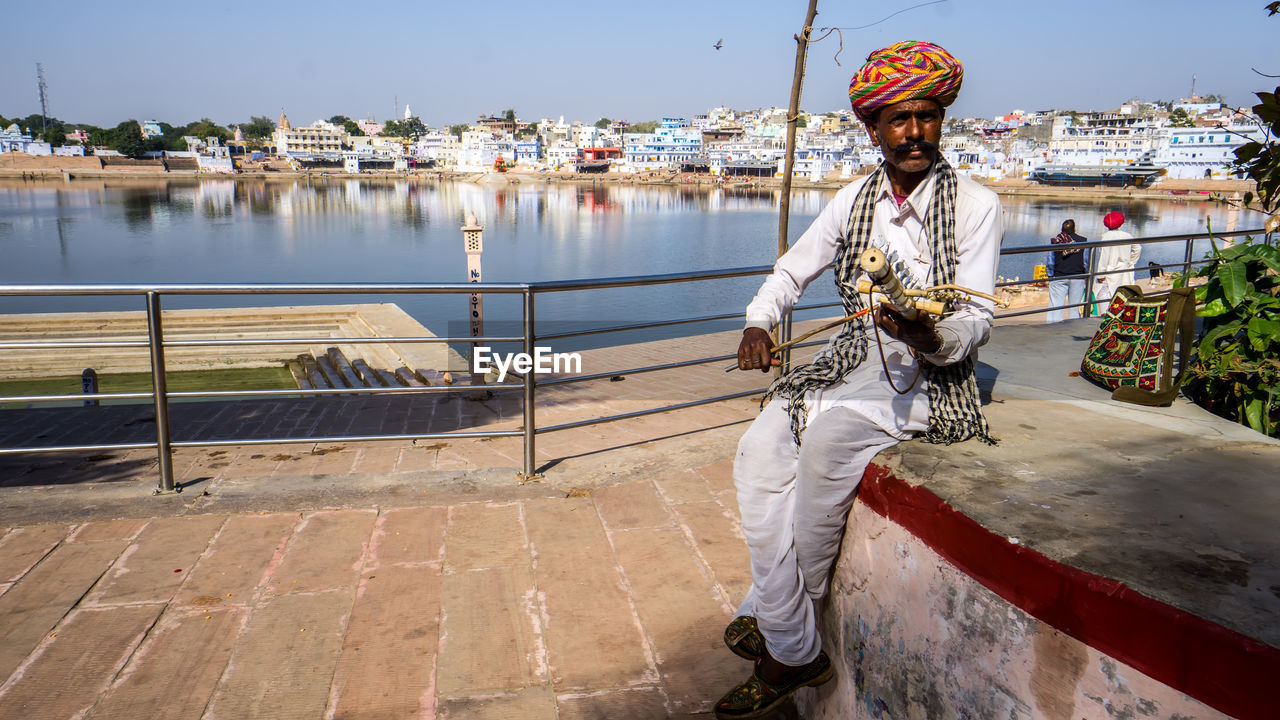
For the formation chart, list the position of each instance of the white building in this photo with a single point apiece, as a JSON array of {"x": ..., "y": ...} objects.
[
  {"x": 443, "y": 148},
  {"x": 672, "y": 143},
  {"x": 978, "y": 157},
  {"x": 563, "y": 155},
  {"x": 216, "y": 158},
  {"x": 12, "y": 139},
  {"x": 551, "y": 131},
  {"x": 586, "y": 136},
  {"x": 480, "y": 150},
  {"x": 318, "y": 138},
  {"x": 1101, "y": 139},
  {"x": 1194, "y": 106},
  {"x": 1202, "y": 152},
  {"x": 376, "y": 148}
]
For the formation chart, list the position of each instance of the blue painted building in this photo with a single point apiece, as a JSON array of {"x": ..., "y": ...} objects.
[
  {"x": 673, "y": 142},
  {"x": 528, "y": 152}
]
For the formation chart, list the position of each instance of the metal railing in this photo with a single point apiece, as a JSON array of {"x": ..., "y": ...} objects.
[
  {"x": 1188, "y": 261},
  {"x": 156, "y": 343}
]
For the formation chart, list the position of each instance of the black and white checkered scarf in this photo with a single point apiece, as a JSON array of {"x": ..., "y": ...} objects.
[{"x": 955, "y": 412}]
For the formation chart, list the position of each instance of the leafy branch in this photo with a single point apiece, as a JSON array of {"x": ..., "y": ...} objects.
[{"x": 1260, "y": 160}]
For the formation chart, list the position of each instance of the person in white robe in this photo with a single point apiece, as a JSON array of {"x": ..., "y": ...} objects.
[
  {"x": 1117, "y": 261},
  {"x": 799, "y": 464}
]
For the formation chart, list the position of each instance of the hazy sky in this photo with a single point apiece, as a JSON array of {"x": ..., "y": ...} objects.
[{"x": 637, "y": 60}]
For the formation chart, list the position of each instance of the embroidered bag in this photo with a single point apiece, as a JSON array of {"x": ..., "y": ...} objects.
[{"x": 1132, "y": 352}]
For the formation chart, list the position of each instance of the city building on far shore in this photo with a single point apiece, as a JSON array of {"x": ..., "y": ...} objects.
[
  {"x": 319, "y": 138},
  {"x": 1191, "y": 153},
  {"x": 674, "y": 141}
]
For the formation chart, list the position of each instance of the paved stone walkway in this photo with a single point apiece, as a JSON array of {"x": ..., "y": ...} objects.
[
  {"x": 394, "y": 579},
  {"x": 604, "y": 603},
  {"x": 381, "y": 579}
]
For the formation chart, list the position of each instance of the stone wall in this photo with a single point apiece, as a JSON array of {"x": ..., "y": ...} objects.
[{"x": 912, "y": 636}]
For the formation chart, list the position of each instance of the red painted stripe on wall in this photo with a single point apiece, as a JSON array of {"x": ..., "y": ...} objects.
[{"x": 1221, "y": 668}]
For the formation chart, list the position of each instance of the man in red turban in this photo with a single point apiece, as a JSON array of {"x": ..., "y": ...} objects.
[
  {"x": 799, "y": 464},
  {"x": 1116, "y": 261}
]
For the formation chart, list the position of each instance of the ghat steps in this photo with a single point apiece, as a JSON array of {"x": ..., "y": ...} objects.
[{"x": 329, "y": 323}]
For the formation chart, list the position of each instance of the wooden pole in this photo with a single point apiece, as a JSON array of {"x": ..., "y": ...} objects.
[{"x": 793, "y": 112}]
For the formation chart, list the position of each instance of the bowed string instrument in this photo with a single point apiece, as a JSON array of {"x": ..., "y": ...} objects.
[{"x": 937, "y": 301}]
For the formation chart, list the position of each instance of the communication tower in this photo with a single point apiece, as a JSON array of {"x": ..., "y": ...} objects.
[{"x": 43, "y": 87}]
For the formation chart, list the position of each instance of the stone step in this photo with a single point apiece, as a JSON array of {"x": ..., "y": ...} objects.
[
  {"x": 299, "y": 374},
  {"x": 408, "y": 378},
  {"x": 340, "y": 363},
  {"x": 139, "y": 326},
  {"x": 333, "y": 323},
  {"x": 58, "y": 362},
  {"x": 104, "y": 357},
  {"x": 171, "y": 333},
  {"x": 311, "y": 370},
  {"x": 368, "y": 375}
]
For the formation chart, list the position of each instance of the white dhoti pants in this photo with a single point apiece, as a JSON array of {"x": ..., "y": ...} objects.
[{"x": 794, "y": 504}]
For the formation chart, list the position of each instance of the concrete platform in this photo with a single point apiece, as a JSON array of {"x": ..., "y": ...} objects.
[
  {"x": 1103, "y": 556},
  {"x": 332, "y": 322},
  {"x": 402, "y": 580}
]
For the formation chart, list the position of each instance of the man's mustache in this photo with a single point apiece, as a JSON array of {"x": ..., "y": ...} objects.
[{"x": 910, "y": 145}]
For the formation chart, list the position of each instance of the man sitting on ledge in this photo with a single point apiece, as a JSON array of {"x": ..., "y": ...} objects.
[{"x": 799, "y": 464}]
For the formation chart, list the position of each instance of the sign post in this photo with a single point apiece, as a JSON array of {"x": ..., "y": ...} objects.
[
  {"x": 89, "y": 385},
  {"x": 473, "y": 244}
]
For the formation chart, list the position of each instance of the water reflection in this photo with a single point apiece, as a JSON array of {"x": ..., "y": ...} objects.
[{"x": 412, "y": 202}]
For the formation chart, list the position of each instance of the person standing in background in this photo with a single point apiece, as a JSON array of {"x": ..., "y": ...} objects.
[
  {"x": 1115, "y": 258},
  {"x": 1064, "y": 263}
]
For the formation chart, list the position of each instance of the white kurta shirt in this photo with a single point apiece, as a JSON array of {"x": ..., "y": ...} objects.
[
  {"x": 979, "y": 227},
  {"x": 1116, "y": 257}
]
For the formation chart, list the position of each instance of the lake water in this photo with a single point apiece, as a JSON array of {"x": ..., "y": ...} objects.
[{"x": 378, "y": 231}]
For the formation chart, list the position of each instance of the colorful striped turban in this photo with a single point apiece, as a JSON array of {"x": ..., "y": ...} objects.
[{"x": 909, "y": 70}]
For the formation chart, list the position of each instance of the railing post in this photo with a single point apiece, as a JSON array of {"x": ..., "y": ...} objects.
[
  {"x": 530, "y": 464},
  {"x": 784, "y": 336},
  {"x": 1186, "y": 259},
  {"x": 160, "y": 390},
  {"x": 1089, "y": 306}
]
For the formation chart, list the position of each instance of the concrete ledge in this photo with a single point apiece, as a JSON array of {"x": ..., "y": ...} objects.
[{"x": 1104, "y": 558}]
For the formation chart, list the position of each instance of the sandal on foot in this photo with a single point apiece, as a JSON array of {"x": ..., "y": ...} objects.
[
  {"x": 744, "y": 639},
  {"x": 755, "y": 697}
]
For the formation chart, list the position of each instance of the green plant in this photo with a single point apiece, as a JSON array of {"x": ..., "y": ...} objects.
[
  {"x": 1236, "y": 369},
  {"x": 1235, "y": 372},
  {"x": 1180, "y": 118}
]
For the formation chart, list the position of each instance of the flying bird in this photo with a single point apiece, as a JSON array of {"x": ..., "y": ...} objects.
[{"x": 719, "y": 44}]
